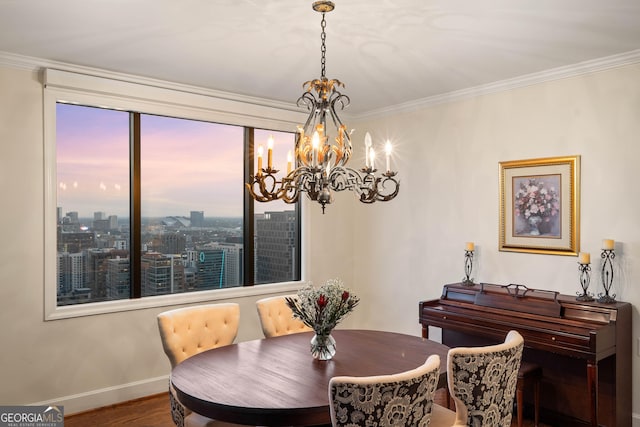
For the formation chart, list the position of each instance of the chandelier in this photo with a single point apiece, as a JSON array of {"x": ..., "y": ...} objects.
[{"x": 323, "y": 148}]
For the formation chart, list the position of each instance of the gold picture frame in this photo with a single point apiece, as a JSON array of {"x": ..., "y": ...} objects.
[{"x": 540, "y": 205}]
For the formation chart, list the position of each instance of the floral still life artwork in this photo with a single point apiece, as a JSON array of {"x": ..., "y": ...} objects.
[
  {"x": 537, "y": 206},
  {"x": 321, "y": 309}
]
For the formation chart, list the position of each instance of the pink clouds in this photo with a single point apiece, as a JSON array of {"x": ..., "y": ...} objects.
[{"x": 186, "y": 165}]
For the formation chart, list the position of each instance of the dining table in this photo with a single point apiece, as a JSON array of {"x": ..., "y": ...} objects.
[{"x": 276, "y": 381}]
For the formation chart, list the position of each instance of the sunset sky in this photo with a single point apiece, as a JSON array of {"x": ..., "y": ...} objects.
[{"x": 186, "y": 164}]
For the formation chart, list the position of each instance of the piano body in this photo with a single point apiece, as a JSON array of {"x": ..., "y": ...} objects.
[{"x": 584, "y": 348}]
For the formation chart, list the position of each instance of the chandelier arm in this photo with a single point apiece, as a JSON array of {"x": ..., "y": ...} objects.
[
  {"x": 268, "y": 187},
  {"x": 307, "y": 100},
  {"x": 342, "y": 178},
  {"x": 394, "y": 184},
  {"x": 345, "y": 150},
  {"x": 367, "y": 187},
  {"x": 341, "y": 98}
]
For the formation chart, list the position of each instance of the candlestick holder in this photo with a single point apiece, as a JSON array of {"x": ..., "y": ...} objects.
[
  {"x": 585, "y": 278},
  {"x": 607, "y": 276},
  {"x": 468, "y": 266}
]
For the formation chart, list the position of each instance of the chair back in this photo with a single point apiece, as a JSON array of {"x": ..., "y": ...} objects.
[
  {"x": 482, "y": 382},
  {"x": 277, "y": 318},
  {"x": 404, "y": 399},
  {"x": 190, "y": 330}
]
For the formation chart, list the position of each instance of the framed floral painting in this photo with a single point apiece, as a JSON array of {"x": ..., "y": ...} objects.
[{"x": 539, "y": 205}]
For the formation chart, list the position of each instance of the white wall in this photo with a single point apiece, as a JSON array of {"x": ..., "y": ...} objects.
[
  {"x": 448, "y": 159},
  {"x": 391, "y": 254}
]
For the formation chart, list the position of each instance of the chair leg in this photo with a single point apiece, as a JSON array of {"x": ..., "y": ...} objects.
[
  {"x": 520, "y": 403},
  {"x": 536, "y": 400},
  {"x": 528, "y": 373}
]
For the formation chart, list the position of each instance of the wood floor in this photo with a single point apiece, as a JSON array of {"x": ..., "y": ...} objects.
[{"x": 153, "y": 411}]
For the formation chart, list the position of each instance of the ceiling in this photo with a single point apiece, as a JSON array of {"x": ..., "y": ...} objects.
[{"x": 387, "y": 52}]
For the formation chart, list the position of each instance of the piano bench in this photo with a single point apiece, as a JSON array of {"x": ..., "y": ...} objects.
[{"x": 529, "y": 374}]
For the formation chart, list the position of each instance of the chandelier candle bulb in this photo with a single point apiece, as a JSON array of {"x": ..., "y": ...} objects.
[
  {"x": 608, "y": 244},
  {"x": 585, "y": 258},
  {"x": 367, "y": 147},
  {"x": 260, "y": 151},
  {"x": 270, "y": 152},
  {"x": 315, "y": 143},
  {"x": 372, "y": 158},
  {"x": 387, "y": 149}
]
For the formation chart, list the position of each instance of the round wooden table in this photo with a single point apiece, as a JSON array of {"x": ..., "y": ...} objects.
[{"x": 276, "y": 382}]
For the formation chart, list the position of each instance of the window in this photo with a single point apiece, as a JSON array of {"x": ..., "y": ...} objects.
[{"x": 152, "y": 204}]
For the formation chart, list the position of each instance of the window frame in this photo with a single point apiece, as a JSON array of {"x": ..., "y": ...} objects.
[{"x": 151, "y": 97}]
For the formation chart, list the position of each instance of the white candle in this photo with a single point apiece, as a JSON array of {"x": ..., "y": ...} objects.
[
  {"x": 387, "y": 149},
  {"x": 315, "y": 143},
  {"x": 372, "y": 158},
  {"x": 608, "y": 244},
  {"x": 585, "y": 258},
  {"x": 260, "y": 150},
  {"x": 469, "y": 246},
  {"x": 367, "y": 146},
  {"x": 270, "y": 152},
  {"x": 289, "y": 160}
]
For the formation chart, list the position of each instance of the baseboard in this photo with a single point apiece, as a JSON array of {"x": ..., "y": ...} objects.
[
  {"x": 108, "y": 396},
  {"x": 635, "y": 420}
]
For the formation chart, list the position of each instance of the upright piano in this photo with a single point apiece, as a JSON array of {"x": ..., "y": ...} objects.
[{"x": 584, "y": 348}]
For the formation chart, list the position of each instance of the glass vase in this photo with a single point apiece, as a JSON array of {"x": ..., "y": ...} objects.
[{"x": 323, "y": 346}]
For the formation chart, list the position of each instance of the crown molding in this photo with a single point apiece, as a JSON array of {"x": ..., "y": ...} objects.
[
  {"x": 37, "y": 64},
  {"x": 580, "y": 68}
]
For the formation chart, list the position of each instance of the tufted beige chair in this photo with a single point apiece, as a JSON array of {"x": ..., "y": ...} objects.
[
  {"x": 277, "y": 318},
  {"x": 404, "y": 399},
  {"x": 188, "y": 331},
  {"x": 482, "y": 382}
]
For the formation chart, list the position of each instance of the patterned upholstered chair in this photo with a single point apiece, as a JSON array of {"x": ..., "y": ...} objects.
[
  {"x": 277, "y": 318},
  {"x": 403, "y": 399},
  {"x": 482, "y": 382},
  {"x": 188, "y": 331}
]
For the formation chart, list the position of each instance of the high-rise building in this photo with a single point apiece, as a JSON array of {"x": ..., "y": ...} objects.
[
  {"x": 73, "y": 217},
  {"x": 161, "y": 274},
  {"x": 197, "y": 218},
  {"x": 113, "y": 222},
  {"x": 71, "y": 275},
  {"x": 97, "y": 272},
  {"x": 73, "y": 242},
  {"x": 102, "y": 223},
  {"x": 118, "y": 278},
  {"x": 172, "y": 243},
  {"x": 276, "y": 240},
  {"x": 210, "y": 269},
  {"x": 233, "y": 268}
]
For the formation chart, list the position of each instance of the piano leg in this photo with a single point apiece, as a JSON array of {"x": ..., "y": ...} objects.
[{"x": 592, "y": 386}]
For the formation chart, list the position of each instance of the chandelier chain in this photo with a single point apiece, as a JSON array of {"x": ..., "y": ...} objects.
[{"x": 323, "y": 48}]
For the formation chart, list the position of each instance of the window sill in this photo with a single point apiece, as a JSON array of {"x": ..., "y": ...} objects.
[{"x": 90, "y": 309}]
